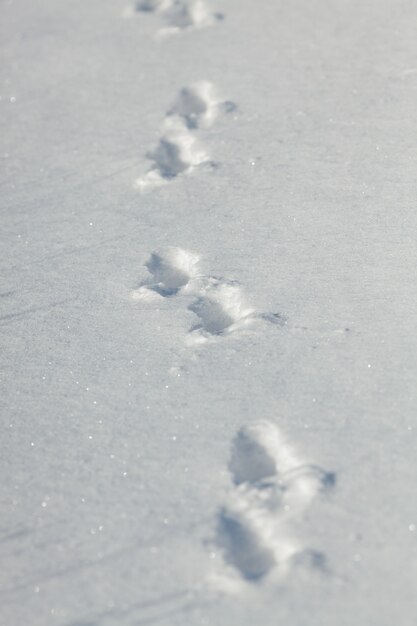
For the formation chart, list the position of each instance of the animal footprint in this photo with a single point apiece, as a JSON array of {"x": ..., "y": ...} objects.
[
  {"x": 199, "y": 105},
  {"x": 179, "y": 150},
  {"x": 272, "y": 489},
  {"x": 178, "y": 15},
  {"x": 172, "y": 269},
  {"x": 219, "y": 304},
  {"x": 221, "y": 308},
  {"x": 149, "y": 6}
]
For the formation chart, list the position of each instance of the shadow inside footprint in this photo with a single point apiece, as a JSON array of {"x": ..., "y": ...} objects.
[
  {"x": 171, "y": 269},
  {"x": 184, "y": 15},
  {"x": 198, "y": 105},
  {"x": 179, "y": 15},
  {"x": 192, "y": 103},
  {"x": 168, "y": 159},
  {"x": 228, "y": 106},
  {"x": 274, "y": 318},
  {"x": 242, "y": 547},
  {"x": 163, "y": 291},
  {"x": 214, "y": 319},
  {"x": 250, "y": 461},
  {"x": 310, "y": 559},
  {"x": 150, "y": 6}
]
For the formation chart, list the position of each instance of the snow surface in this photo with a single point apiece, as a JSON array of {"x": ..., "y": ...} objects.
[{"x": 208, "y": 313}]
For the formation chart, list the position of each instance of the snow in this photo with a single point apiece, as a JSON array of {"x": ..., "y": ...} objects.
[{"x": 263, "y": 292}]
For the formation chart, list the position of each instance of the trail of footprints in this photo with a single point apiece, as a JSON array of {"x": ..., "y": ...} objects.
[
  {"x": 272, "y": 485},
  {"x": 219, "y": 304},
  {"x": 272, "y": 488},
  {"x": 177, "y": 15},
  {"x": 179, "y": 149}
]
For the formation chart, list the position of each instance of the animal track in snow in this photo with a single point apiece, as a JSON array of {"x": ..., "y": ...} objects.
[
  {"x": 179, "y": 150},
  {"x": 272, "y": 488},
  {"x": 221, "y": 308},
  {"x": 149, "y": 6},
  {"x": 172, "y": 269},
  {"x": 199, "y": 105},
  {"x": 178, "y": 15},
  {"x": 219, "y": 304}
]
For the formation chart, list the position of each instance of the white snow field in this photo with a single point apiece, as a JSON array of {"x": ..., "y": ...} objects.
[{"x": 208, "y": 313}]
